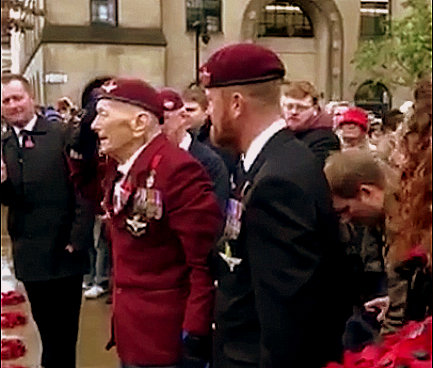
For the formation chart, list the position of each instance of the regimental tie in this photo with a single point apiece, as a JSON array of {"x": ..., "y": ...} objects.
[{"x": 27, "y": 139}]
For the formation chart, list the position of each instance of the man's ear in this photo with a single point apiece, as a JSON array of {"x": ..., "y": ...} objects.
[
  {"x": 370, "y": 193},
  {"x": 140, "y": 123},
  {"x": 237, "y": 104}
]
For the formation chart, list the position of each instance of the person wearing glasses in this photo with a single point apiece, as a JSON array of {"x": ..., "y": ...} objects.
[{"x": 303, "y": 115}]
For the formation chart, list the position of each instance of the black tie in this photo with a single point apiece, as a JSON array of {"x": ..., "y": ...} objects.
[
  {"x": 28, "y": 141},
  {"x": 241, "y": 174}
]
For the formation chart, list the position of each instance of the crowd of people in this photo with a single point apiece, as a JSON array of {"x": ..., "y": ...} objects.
[{"x": 237, "y": 223}]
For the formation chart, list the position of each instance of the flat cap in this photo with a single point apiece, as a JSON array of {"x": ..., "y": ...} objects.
[
  {"x": 243, "y": 63},
  {"x": 170, "y": 99},
  {"x": 133, "y": 91},
  {"x": 355, "y": 115}
]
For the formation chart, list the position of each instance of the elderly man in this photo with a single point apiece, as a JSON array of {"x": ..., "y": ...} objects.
[
  {"x": 275, "y": 262},
  {"x": 49, "y": 225},
  {"x": 163, "y": 220}
]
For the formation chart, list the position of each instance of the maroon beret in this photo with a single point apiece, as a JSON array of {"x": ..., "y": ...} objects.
[
  {"x": 355, "y": 115},
  {"x": 243, "y": 63},
  {"x": 170, "y": 99},
  {"x": 133, "y": 91}
]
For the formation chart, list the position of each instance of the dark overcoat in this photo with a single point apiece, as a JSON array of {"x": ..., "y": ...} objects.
[
  {"x": 279, "y": 306},
  {"x": 162, "y": 283},
  {"x": 44, "y": 214}
]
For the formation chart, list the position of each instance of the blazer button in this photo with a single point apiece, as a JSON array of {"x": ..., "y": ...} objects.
[
  {"x": 118, "y": 291},
  {"x": 20, "y": 160},
  {"x": 214, "y": 327},
  {"x": 215, "y": 283}
]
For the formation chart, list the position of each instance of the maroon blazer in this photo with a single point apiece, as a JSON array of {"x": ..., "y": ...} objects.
[{"x": 162, "y": 282}]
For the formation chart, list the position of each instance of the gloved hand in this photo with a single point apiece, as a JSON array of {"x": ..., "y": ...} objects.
[{"x": 196, "y": 351}]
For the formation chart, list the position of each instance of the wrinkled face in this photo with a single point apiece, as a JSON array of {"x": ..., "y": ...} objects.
[
  {"x": 18, "y": 106},
  {"x": 193, "y": 115},
  {"x": 297, "y": 111},
  {"x": 223, "y": 129},
  {"x": 351, "y": 132},
  {"x": 358, "y": 209},
  {"x": 113, "y": 126}
]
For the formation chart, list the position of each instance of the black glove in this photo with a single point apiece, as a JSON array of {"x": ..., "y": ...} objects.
[{"x": 195, "y": 351}]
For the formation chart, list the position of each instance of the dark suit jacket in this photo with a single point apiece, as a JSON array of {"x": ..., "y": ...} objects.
[
  {"x": 44, "y": 215},
  {"x": 279, "y": 308},
  {"x": 215, "y": 167}
]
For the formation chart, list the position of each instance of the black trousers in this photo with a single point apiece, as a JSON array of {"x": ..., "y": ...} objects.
[{"x": 56, "y": 309}]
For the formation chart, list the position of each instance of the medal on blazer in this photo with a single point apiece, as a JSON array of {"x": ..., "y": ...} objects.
[
  {"x": 121, "y": 195},
  {"x": 147, "y": 204},
  {"x": 233, "y": 220}
]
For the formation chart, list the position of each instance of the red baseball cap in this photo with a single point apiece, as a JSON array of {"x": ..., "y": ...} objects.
[
  {"x": 133, "y": 91},
  {"x": 355, "y": 115},
  {"x": 170, "y": 99},
  {"x": 243, "y": 63}
]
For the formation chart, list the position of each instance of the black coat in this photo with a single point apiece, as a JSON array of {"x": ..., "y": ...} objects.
[
  {"x": 279, "y": 307},
  {"x": 44, "y": 215},
  {"x": 215, "y": 167},
  {"x": 322, "y": 142}
]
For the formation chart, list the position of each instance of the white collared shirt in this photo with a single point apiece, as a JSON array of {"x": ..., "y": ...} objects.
[
  {"x": 186, "y": 142},
  {"x": 259, "y": 142},
  {"x": 126, "y": 166},
  {"x": 29, "y": 126}
]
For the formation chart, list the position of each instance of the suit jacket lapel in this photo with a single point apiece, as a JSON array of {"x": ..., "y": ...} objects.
[{"x": 275, "y": 141}]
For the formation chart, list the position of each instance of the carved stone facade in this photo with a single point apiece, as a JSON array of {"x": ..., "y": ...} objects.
[{"x": 151, "y": 41}]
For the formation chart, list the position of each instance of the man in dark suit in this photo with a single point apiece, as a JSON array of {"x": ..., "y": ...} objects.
[
  {"x": 276, "y": 302},
  {"x": 176, "y": 129},
  {"x": 164, "y": 219},
  {"x": 49, "y": 225}
]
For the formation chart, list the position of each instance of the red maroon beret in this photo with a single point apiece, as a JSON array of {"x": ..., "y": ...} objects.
[
  {"x": 243, "y": 63},
  {"x": 133, "y": 91},
  {"x": 355, "y": 115},
  {"x": 170, "y": 99}
]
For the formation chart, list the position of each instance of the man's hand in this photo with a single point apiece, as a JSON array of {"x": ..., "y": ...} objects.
[
  {"x": 196, "y": 351},
  {"x": 4, "y": 172},
  {"x": 381, "y": 304},
  {"x": 69, "y": 248}
]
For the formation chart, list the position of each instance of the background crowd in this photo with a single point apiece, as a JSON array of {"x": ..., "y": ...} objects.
[{"x": 326, "y": 246}]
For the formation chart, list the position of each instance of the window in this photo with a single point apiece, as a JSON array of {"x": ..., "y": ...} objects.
[
  {"x": 205, "y": 11},
  {"x": 374, "y": 97},
  {"x": 104, "y": 12},
  {"x": 374, "y": 17},
  {"x": 284, "y": 19}
]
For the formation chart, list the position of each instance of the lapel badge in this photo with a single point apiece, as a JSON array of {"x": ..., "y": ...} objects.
[{"x": 136, "y": 224}]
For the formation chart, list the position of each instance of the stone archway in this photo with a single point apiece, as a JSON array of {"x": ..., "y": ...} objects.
[{"x": 328, "y": 25}]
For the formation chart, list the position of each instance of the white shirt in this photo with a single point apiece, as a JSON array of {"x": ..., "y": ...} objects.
[
  {"x": 259, "y": 142},
  {"x": 29, "y": 126},
  {"x": 186, "y": 142},
  {"x": 126, "y": 166}
]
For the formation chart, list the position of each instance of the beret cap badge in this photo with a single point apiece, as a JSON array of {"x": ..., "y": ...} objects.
[{"x": 109, "y": 86}]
